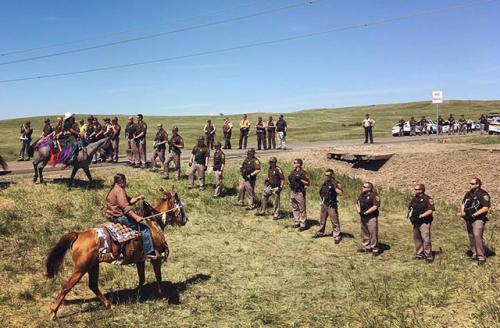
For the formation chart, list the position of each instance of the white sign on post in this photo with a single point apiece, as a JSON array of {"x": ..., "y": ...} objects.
[{"x": 437, "y": 97}]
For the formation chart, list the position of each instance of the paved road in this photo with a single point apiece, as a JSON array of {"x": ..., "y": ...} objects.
[{"x": 19, "y": 170}]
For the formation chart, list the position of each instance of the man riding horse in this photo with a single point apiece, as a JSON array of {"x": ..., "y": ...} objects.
[
  {"x": 119, "y": 209},
  {"x": 87, "y": 246}
]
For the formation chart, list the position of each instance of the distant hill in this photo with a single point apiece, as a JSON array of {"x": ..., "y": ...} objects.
[{"x": 305, "y": 125}]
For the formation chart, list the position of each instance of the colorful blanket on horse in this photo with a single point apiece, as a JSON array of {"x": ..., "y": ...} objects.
[
  {"x": 58, "y": 156},
  {"x": 110, "y": 233}
]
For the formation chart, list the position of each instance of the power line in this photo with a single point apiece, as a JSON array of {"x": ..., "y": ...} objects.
[
  {"x": 156, "y": 35},
  {"x": 130, "y": 30},
  {"x": 263, "y": 43}
]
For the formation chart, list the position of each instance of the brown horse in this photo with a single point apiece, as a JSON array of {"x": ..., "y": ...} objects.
[{"x": 84, "y": 247}]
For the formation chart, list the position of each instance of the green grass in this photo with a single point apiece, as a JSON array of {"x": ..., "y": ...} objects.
[
  {"x": 229, "y": 268},
  {"x": 307, "y": 125}
]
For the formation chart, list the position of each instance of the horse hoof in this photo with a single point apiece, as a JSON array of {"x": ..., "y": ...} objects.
[
  {"x": 53, "y": 316},
  {"x": 110, "y": 306}
]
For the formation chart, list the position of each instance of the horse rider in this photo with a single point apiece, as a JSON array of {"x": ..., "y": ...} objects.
[{"x": 119, "y": 209}]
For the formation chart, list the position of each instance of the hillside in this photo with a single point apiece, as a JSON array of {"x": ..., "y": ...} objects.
[{"x": 306, "y": 125}]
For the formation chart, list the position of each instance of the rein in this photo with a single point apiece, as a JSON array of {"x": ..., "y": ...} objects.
[{"x": 177, "y": 207}]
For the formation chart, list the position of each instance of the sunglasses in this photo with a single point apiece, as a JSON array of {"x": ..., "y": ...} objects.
[
  {"x": 417, "y": 189},
  {"x": 472, "y": 183},
  {"x": 366, "y": 187}
]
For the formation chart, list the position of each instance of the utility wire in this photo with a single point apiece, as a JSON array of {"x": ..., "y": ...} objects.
[
  {"x": 161, "y": 34},
  {"x": 264, "y": 43},
  {"x": 128, "y": 31}
]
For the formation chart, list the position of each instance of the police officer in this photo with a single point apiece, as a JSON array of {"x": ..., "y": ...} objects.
[
  {"x": 198, "y": 162},
  {"x": 475, "y": 207},
  {"x": 298, "y": 181},
  {"x": 218, "y": 168},
  {"x": 140, "y": 139},
  {"x": 401, "y": 125},
  {"x": 244, "y": 130},
  {"x": 260, "y": 131},
  {"x": 328, "y": 193},
  {"x": 423, "y": 126},
  {"x": 175, "y": 146},
  {"x": 368, "y": 124},
  {"x": 367, "y": 207},
  {"x": 249, "y": 169},
  {"x": 420, "y": 213},
  {"x": 209, "y": 131},
  {"x": 413, "y": 125},
  {"x": 451, "y": 122},
  {"x": 440, "y": 124},
  {"x": 227, "y": 129},
  {"x": 273, "y": 186},
  {"x": 462, "y": 122},
  {"x": 129, "y": 136},
  {"x": 271, "y": 133},
  {"x": 115, "y": 138},
  {"x": 159, "y": 146}
]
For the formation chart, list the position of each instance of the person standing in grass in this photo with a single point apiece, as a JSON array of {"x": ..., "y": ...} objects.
[
  {"x": 249, "y": 169},
  {"x": 298, "y": 180},
  {"x": 483, "y": 123},
  {"x": 474, "y": 210},
  {"x": 140, "y": 139},
  {"x": 420, "y": 213},
  {"x": 328, "y": 193},
  {"x": 209, "y": 131},
  {"x": 218, "y": 168},
  {"x": 413, "y": 126},
  {"x": 227, "y": 128},
  {"x": 273, "y": 186},
  {"x": 175, "y": 146},
  {"x": 281, "y": 127},
  {"x": 159, "y": 146},
  {"x": 368, "y": 124},
  {"x": 367, "y": 207},
  {"x": 198, "y": 163},
  {"x": 260, "y": 131},
  {"x": 26, "y": 132},
  {"x": 271, "y": 133},
  {"x": 244, "y": 130}
]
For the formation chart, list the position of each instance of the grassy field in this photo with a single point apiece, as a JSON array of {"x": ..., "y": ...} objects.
[
  {"x": 307, "y": 125},
  {"x": 482, "y": 140},
  {"x": 229, "y": 268}
]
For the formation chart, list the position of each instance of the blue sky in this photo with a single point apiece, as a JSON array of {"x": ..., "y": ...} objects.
[{"x": 456, "y": 51}]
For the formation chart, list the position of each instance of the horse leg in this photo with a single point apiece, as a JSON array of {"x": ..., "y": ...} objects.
[
  {"x": 157, "y": 269},
  {"x": 73, "y": 173},
  {"x": 72, "y": 281},
  {"x": 93, "y": 285},
  {"x": 35, "y": 167},
  {"x": 140, "y": 273},
  {"x": 40, "y": 169},
  {"x": 87, "y": 173}
]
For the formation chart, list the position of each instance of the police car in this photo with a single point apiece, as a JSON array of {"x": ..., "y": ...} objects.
[{"x": 494, "y": 124}]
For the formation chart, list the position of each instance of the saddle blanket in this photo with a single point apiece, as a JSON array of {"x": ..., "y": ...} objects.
[{"x": 113, "y": 232}]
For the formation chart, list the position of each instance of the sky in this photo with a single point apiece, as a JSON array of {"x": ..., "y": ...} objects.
[{"x": 456, "y": 51}]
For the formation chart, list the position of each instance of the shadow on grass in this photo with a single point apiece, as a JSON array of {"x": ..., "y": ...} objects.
[
  {"x": 487, "y": 252},
  {"x": 77, "y": 183},
  {"x": 229, "y": 192},
  {"x": 148, "y": 292}
]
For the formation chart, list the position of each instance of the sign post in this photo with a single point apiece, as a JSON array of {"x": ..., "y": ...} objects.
[{"x": 437, "y": 98}]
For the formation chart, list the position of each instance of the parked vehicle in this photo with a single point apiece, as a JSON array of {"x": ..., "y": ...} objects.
[{"x": 494, "y": 126}]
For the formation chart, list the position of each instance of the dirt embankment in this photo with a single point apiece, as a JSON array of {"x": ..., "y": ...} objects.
[{"x": 445, "y": 169}]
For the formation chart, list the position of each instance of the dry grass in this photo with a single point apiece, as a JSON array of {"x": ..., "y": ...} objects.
[{"x": 229, "y": 268}]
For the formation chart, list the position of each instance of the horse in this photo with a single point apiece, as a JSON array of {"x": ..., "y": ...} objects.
[
  {"x": 82, "y": 160},
  {"x": 85, "y": 246},
  {"x": 3, "y": 164}
]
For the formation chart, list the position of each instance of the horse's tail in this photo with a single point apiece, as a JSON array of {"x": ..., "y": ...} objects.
[{"x": 56, "y": 255}]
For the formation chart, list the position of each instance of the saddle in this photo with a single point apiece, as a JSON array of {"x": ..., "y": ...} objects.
[
  {"x": 118, "y": 234},
  {"x": 113, "y": 233}
]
